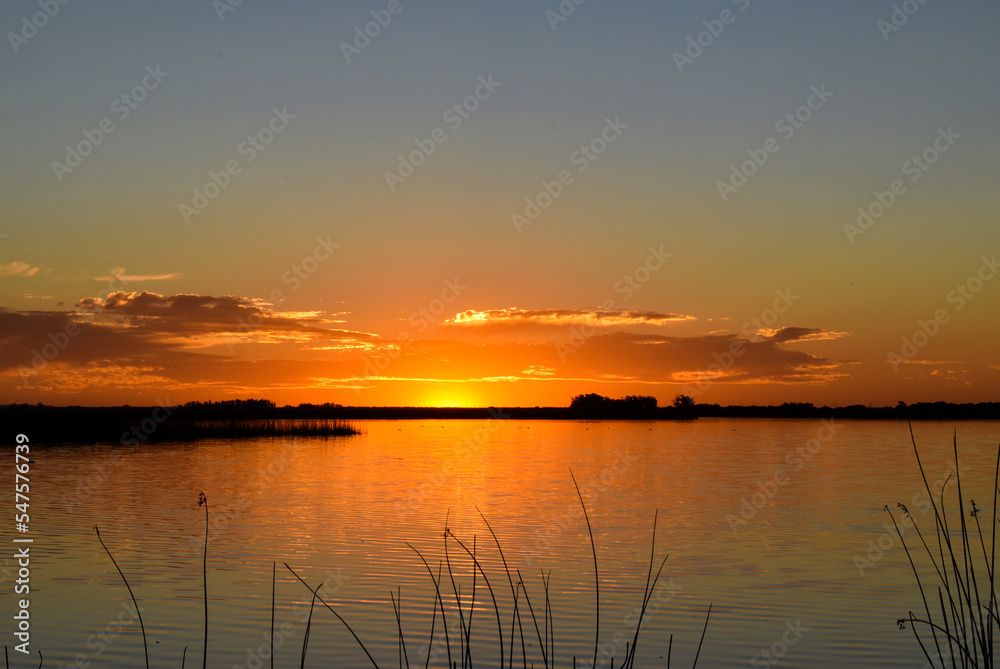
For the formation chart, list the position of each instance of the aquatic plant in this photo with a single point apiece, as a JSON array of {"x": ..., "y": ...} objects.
[
  {"x": 138, "y": 612},
  {"x": 511, "y": 639},
  {"x": 957, "y": 629},
  {"x": 459, "y": 648}
]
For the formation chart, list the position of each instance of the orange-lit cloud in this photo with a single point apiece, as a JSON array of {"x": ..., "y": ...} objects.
[
  {"x": 790, "y": 334},
  {"x": 514, "y": 317},
  {"x": 210, "y": 346},
  {"x": 18, "y": 268},
  {"x": 119, "y": 274}
]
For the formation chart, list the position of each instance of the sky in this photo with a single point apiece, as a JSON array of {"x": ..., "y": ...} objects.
[{"x": 413, "y": 202}]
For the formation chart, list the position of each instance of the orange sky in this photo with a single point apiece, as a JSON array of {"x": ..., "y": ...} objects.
[
  {"x": 142, "y": 347},
  {"x": 485, "y": 207}
]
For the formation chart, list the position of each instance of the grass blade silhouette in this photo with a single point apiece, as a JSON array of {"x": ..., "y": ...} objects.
[
  {"x": 496, "y": 607},
  {"x": 702, "y": 640},
  {"x": 597, "y": 580},
  {"x": 440, "y": 600},
  {"x": 404, "y": 660},
  {"x": 202, "y": 499},
  {"x": 145, "y": 647},
  {"x": 305, "y": 637},
  {"x": 274, "y": 566},
  {"x": 321, "y": 601}
]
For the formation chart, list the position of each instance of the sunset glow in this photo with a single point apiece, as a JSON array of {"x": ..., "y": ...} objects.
[{"x": 526, "y": 211}]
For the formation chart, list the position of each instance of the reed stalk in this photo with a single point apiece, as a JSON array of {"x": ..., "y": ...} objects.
[
  {"x": 203, "y": 500},
  {"x": 960, "y": 628},
  {"x": 145, "y": 646}
]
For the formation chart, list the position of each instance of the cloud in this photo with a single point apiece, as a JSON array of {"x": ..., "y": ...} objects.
[
  {"x": 791, "y": 334},
  {"x": 190, "y": 314},
  {"x": 119, "y": 274},
  {"x": 687, "y": 359},
  {"x": 18, "y": 268},
  {"x": 144, "y": 342},
  {"x": 563, "y": 317},
  {"x": 183, "y": 312},
  {"x": 179, "y": 339},
  {"x": 646, "y": 359},
  {"x": 925, "y": 362}
]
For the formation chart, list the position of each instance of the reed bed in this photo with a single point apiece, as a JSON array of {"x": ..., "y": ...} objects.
[
  {"x": 508, "y": 638},
  {"x": 243, "y": 428},
  {"x": 956, "y": 566},
  {"x": 515, "y": 635},
  {"x": 134, "y": 426}
]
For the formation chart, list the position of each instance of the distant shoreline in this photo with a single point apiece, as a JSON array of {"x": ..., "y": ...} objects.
[{"x": 133, "y": 425}]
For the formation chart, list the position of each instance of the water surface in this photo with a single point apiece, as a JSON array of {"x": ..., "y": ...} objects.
[{"x": 772, "y": 521}]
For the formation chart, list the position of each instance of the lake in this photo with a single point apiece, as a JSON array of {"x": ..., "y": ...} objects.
[{"x": 775, "y": 523}]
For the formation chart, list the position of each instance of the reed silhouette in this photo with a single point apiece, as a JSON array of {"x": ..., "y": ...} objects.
[
  {"x": 962, "y": 622},
  {"x": 511, "y": 644}
]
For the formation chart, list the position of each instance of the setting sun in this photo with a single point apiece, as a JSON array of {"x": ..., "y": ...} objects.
[{"x": 450, "y": 399}]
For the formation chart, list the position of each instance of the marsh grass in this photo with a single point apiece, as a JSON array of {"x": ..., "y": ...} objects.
[
  {"x": 960, "y": 618},
  {"x": 131, "y": 426},
  {"x": 250, "y": 428},
  {"x": 509, "y": 639}
]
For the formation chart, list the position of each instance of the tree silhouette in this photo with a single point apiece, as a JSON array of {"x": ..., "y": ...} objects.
[
  {"x": 683, "y": 406},
  {"x": 593, "y": 405}
]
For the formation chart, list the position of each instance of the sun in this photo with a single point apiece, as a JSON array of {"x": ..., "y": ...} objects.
[{"x": 449, "y": 400}]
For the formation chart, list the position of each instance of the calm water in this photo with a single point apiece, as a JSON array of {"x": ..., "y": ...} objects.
[{"x": 341, "y": 511}]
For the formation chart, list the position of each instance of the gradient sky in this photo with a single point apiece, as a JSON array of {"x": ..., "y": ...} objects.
[{"x": 309, "y": 278}]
